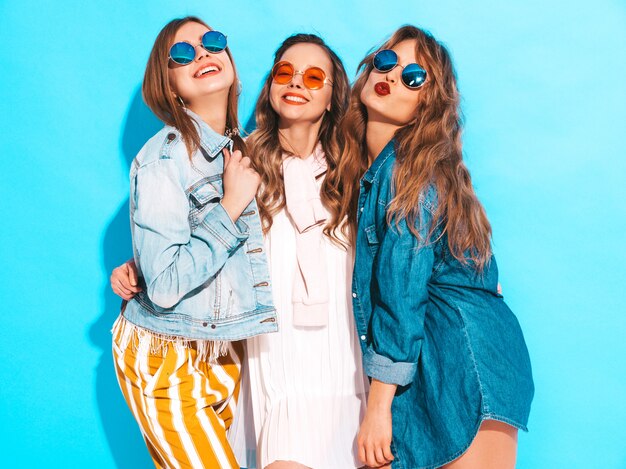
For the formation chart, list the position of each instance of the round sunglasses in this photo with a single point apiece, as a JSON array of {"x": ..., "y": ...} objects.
[
  {"x": 413, "y": 75},
  {"x": 184, "y": 53},
  {"x": 313, "y": 78}
]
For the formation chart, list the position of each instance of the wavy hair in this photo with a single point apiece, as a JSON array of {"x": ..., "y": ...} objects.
[
  {"x": 157, "y": 89},
  {"x": 267, "y": 152},
  {"x": 428, "y": 152}
]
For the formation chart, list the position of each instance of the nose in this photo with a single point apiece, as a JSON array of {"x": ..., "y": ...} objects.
[
  {"x": 296, "y": 81},
  {"x": 393, "y": 75},
  {"x": 201, "y": 52}
]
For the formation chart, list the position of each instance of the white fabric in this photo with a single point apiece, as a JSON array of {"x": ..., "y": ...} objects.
[{"x": 305, "y": 385}]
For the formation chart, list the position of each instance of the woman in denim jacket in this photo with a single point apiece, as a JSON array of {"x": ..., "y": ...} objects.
[
  {"x": 197, "y": 241},
  {"x": 451, "y": 376}
]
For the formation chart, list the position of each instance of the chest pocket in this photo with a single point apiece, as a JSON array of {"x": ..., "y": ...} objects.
[
  {"x": 372, "y": 239},
  {"x": 202, "y": 196}
]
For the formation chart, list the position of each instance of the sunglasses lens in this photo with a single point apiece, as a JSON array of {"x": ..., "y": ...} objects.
[
  {"x": 413, "y": 76},
  {"x": 385, "y": 60},
  {"x": 214, "y": 41},
  {"x": 182, "y": 53},
  {"x": 282, "y": 73},
  {"x": 313, "y": 78}
]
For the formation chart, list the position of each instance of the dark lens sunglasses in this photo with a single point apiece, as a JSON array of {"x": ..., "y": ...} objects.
[
  {"x": 184, "y": 53},
  {"x": 413, "y": 75}
]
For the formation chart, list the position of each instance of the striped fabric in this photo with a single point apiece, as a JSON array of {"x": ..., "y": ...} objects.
[{"x": 183, "y": 404}]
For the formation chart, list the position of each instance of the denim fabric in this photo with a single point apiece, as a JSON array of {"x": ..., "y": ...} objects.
[
  {"x": 203, "y": 276},
  {"x": 434, "y": 327}
]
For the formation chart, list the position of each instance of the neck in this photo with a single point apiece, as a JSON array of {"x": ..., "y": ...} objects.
[
  {"x": 212, "y": 110},
  {"x": 300, "y": 138},
  {"x": 377, "y": 135}
]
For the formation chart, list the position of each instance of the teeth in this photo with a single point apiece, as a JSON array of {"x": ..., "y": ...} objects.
[
  {"x": 295, "y": 99},
  {"x": 206, "y": 70}
]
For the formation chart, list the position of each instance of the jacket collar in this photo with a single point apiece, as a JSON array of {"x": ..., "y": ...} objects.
[
  {"x": 389, "y": 151},
  {"x": 211, "y": 141}
]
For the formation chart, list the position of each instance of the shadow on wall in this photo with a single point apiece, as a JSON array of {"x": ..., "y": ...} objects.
[{"x": 123, "y": 436}]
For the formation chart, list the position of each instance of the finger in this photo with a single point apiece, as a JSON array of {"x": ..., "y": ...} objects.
[
  {"x": 236, "y": 156},
  {"x": 132, "y": 274},
  {"x": 380, "y": 459},
  {"x": 121, "y": 290},
  {"x": 226, "y": 152},
  {"x": 246, "y": 162},
  {"x": 362, "y": 454},
  {"x": 387, "y": 453},
  {"x": 370, "y": 459}
]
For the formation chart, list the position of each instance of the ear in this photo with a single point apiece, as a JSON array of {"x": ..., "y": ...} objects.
[{"x": 328, "y": 107}]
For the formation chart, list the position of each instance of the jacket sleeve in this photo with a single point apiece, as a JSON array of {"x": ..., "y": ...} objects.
[
  {"x": 401, "y": 276},
  {"x": 173, "y": 259}
]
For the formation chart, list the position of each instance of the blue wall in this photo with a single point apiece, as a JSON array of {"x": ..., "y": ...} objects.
[{"x": 545, "y": 103}]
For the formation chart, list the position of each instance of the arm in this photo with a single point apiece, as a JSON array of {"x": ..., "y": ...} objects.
[
  {"x": 401, "y": 275},
  {"x": 173, "y": 260}
]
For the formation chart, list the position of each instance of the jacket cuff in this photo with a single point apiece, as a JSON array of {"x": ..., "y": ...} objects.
[
  {"x": 384, "y": 369},
  {"x": 218, "y": 223}
]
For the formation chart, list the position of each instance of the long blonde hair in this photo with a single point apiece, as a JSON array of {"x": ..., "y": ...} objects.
[
  {"x": 157, "y": 90},
  {"x": 267, "y": 152},
  {"x": 428, "y": 151}
]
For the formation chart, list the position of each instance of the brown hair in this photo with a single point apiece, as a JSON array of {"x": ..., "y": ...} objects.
[
  {"x": 267, "y": 152},
  {"x": 157, "y": 90},
  {"x": 429, "y": 151}
]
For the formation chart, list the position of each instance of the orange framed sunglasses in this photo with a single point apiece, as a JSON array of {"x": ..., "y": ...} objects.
[{"x": 313, "y": 78}]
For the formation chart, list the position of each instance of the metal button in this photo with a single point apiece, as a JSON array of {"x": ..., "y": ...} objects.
[
  {"x": 361, "y": 209},
  {"x": 363, "y": 337},
  {"x": 205, "y": 324},
  {"x": 171, "y": 136},
  {"x": 353, "y": 295},
  {"x": 213, "y": 326}
]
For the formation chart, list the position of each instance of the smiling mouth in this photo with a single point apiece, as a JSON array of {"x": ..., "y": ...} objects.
[
  {"x": 382, "y": 89},
  {"x": 294, "y": 99},
  {"x": 206, "y": 71}
]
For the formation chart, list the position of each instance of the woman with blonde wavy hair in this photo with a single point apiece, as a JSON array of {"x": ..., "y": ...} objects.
[
  {"x": 307, "y": 386},
  {"x": 451, "y": 377}
]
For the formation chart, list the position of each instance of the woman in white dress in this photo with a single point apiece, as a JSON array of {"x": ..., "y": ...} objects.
[{"x": 307, "y": 388}]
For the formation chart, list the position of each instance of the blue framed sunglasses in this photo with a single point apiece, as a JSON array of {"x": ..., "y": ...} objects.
[
  {"x": 184, "y": 53},
  {"x": 413, "y": 75}
]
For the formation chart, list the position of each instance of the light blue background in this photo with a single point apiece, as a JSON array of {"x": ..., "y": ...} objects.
[{"x": 545, "y": 102}]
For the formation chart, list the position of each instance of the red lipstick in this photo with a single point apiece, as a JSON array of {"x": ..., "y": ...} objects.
[{"x": 382, "y": 88}]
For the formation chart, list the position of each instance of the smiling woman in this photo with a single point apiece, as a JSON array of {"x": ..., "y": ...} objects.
[{"x": 204, "y": 280}]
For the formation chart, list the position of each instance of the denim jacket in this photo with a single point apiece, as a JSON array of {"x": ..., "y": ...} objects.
[
  {"x": 203, "y": 276},
  {"x": 435, "y": 327}
]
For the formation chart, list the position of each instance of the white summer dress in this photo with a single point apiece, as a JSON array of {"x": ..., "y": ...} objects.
[{"x": 303, "y": 393}]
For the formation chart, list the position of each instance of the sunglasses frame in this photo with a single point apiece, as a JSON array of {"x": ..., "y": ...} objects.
[
  {"x": 196, "y": 46},
  {"x": 299, "y": 72},
  {"x": 397, "y": 64}
]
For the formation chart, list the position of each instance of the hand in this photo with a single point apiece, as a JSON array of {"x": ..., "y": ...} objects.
[
  {"x": 374, "y": 439},
  {"x": 241, "y": 183},
  {"x": 124, "y": 280}
]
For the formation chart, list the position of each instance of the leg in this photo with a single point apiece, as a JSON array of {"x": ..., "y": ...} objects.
[
  {"x": 174, "y": 404},
  {"x": 495, "y": 447},
  {"x": 286, "y": 465}
]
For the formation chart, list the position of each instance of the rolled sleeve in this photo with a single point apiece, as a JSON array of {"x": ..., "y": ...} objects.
[
  {"x": 386, "y": 370},
  {"x": 219, "y": 225}
]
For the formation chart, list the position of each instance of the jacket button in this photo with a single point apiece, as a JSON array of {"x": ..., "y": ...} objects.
[
  {"x": 353, "y": 295},
  {"x": 205, "y": 324},
  {"x": 171, "y": 136},
  {"x": 213, "y": 326},
  {"x": 363, "y": 337}
]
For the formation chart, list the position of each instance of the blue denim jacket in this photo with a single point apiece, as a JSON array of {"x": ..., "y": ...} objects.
[
  {"x": 203, "y": 276},
  {"x": 434, "y": 327}
]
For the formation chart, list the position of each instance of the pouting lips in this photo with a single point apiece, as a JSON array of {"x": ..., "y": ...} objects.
[
  {"x": 206, "y": 70},
  {"x": 382, "y": 89}
]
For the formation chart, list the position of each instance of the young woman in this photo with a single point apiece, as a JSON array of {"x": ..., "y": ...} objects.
[
  {"x": 307, "y": 386},
  {"x": 451, "y": 376},
  {"x": 197, "y": 242}
]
